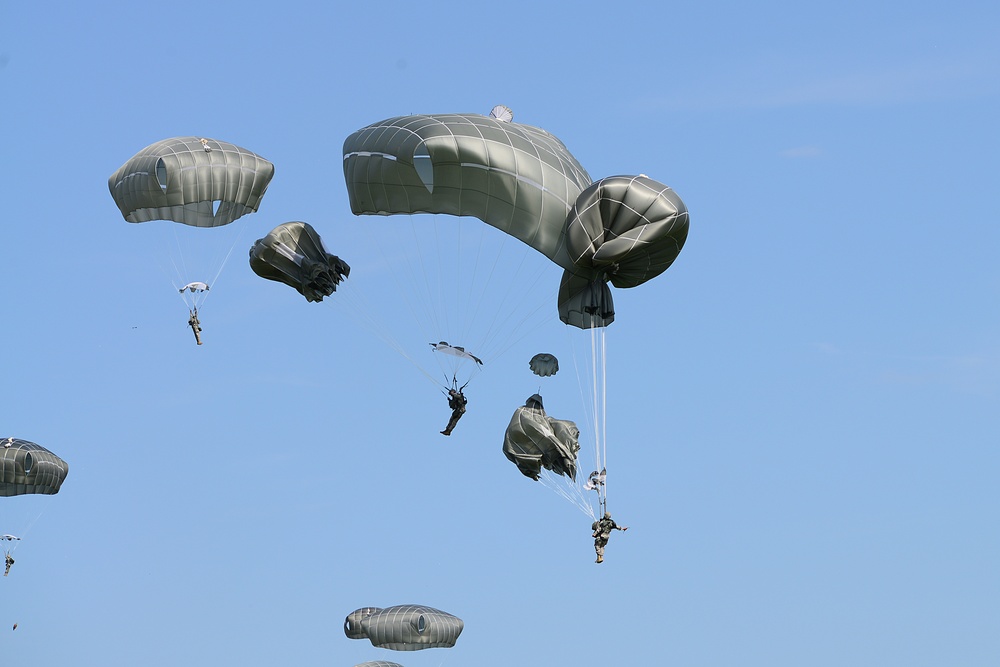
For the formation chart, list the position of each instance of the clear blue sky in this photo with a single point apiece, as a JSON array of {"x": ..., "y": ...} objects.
[{"x": 802, "y": 413}]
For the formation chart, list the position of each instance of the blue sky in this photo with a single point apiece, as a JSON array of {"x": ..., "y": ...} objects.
[{"x": 802, "y": 423}]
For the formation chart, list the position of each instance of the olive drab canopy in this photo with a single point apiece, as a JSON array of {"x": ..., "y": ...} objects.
[
  {"x": 534, "y": 440},
  {"x": 544, "y": 365},
  {"x": 293, "y": 254},
  {"x": 29, "y": 468},
  {"x": 624, "y": 230},
  {"x": 192, "y": 180},
  {"x": 407, "y": 627},
  {"x": 518, "y": 178},
  {"x": 378, "y": 663},
  {"x": 525, "y": 182}
]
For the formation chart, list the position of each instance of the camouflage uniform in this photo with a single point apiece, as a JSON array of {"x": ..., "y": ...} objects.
[
  {"x": 8, "y": 561},
  {"x": 195, "y": 325},
  {"x": 602, "y": 532},
  {"x": 457, "y": 402}
]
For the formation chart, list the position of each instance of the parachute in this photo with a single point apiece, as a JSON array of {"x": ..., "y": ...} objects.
[
  {"x": 455, "y": 351},
  {"x": 407, "y": 627},
  {"x": 378, "y": 663},
  {"x": 203, "y": 184},
  {"x": 523, "y": 181},
  {"x": 624, "y": 230},
  {"x": 293, "y": 254},
  {"x": 27, "y": 468},
  {"x": 194, "y": 181},
  {"x": 194, "y": 287},
  {"x": 534, "y": 440},
  {"x": 544, "y": 365}
]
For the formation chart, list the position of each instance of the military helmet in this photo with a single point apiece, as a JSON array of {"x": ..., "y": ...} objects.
[{"x": 607, "y": 515}]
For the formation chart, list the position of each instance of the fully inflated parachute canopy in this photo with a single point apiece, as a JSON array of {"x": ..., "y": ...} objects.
[
  {"x": 624, "y": 230},
  {"x": 534, "y": 440},
  {"x": 29, "y": 468},
  {"x": 518, "y": 178},
  {"x": 192, "y": 180},
  {"x": 407, "y": 627},
  {"x": 293, "y": 254}
]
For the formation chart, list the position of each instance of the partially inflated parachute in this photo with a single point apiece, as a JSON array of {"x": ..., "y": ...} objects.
[
  {"x": 544, "y": 364},
  {"x": 534, "y": 440},
  {"x": 191, "y": 180},
  {"x": 27, "y": 468},
  {"x": 624, "y": 230},
  {"x": 293, "y": 254},
  {"x": 407, "y": 627},
  {"x": 523, "y": 181},
  {"x": 378, "y": 663}
]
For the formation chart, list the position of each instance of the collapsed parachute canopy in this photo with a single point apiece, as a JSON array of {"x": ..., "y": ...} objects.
[
  {"x": 407, "y": 627},
  {"x": 544, "y": 365},
  {"x": 293, "y": 254},
  {"x": 378, "y": 663},
  {"x": 194, "y": 181},
  {"x": 523, "y": 181},
  {"x": 534, "y": 440},
  {"x": 29, "y": 468}
]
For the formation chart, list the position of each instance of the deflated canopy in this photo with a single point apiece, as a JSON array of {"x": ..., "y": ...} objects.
[
  {"x": 544, "y": 365},
  {"x": 407, "y": 627},
  {"x": 624, "y": 230},
  {"x": 29, "y": 468},
  {"x": 378, "y": 663},
  {"x": 518, "y": 178},
  {"x": 534, "y": 440},
  {"x": 191, "y": 180},
  {"x": 293, "y": 254}
]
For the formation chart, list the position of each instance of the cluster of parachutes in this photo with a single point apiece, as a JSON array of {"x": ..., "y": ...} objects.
[{"x": 619, "y": 231}]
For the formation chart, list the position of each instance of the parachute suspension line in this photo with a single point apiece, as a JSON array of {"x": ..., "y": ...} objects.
[
  {"x": 567, "y": 489},
  {"x": 496, "y": 345},
  {"x": 349, "y": 298},
  {"x": 603, "y": 399},
  {"x": 215, "y": 278},
  {"x": 27, "y": 529}
]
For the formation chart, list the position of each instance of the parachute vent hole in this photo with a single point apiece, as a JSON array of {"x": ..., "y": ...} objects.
[
  {"x": 28, "y": 463},
  {"x": 424, "y": 167},
  {"x": 161, "y": 174},
  {"x": 421, "y": 624},
  {"x": 215, "y": 207}
]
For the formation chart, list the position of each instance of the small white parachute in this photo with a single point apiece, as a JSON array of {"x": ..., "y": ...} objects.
[
  {"x": 194, "y": 287},
  {"x": 456, "y": 351}
]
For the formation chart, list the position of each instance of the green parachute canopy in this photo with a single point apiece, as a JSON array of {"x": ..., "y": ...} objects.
[
  {"x": 544, "y": 364},
  {"x": 534, "y": 440},
  {"x": 191, "y": 180},
  {"x": 407, "y": 627},
  {"x": 293, "y": 254},
  {"x": 27, "y": 468},
  {"x": 525, "y": 182}
]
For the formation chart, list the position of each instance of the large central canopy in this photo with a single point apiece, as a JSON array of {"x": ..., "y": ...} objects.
[{"x": 518, "y": 178}]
